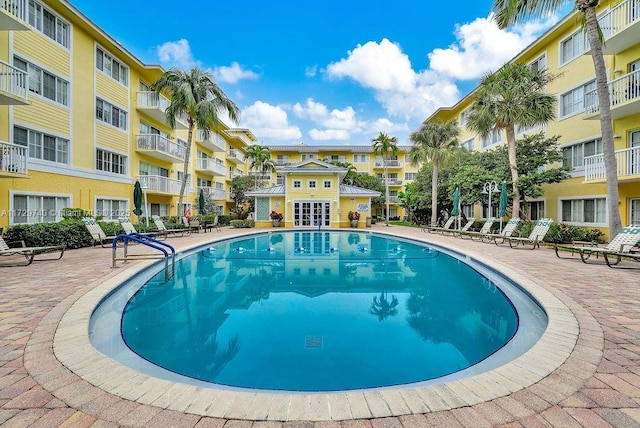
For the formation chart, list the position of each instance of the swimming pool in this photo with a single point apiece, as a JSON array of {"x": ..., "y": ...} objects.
[{"x": 319, "y": 311}]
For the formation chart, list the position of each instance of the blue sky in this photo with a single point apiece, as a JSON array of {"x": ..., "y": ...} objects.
[{"x": 332, "y": 72}]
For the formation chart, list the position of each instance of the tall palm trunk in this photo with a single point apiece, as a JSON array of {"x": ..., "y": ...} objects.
[
  {"x": 185, "y": 171},
  {"x": 434, "y": 195},
  {"x": 386, "y": 189},
  {"x": 513, "y": 166},
  {"x": 608, "y": 147}
]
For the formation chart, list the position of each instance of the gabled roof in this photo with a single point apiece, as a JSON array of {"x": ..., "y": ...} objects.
[{"x": 313, "y": 166}]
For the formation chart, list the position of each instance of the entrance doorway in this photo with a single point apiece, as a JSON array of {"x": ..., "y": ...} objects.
[{"x": 311, "y": 213}]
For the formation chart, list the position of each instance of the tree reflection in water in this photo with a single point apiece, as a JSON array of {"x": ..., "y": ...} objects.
[{"x": 383, "y": 308}]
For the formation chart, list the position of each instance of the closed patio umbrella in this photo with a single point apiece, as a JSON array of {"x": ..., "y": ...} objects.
[
  {"x": 502, "y": 208},
  {"x": 137, "y": 200},
  {"x": 201, "y": 203},
  {"x": 456, "y": 205}
]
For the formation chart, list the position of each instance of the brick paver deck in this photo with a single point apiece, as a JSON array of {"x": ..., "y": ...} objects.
[{"x": 597, "y": 384}]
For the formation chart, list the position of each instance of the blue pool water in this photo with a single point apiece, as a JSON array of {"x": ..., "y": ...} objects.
[{"x": 320, "y": 311}]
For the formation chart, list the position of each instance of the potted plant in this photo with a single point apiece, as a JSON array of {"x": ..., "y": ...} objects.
[
  {"x": 276, "y": 218},
  {"x": 354, "y": 216}
]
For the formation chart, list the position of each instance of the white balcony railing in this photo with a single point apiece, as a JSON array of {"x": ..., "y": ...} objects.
[
  {"x": 214, "y": 141},
  {"x": 621, "y": 90},
  {"x": 17, "y": 8},
  {"x": 158, "y": 143},
  {"x": 13, "y": 158},
  {"x": 234, "y": 174},
  {"x": 13, "y": 81},
  {"x": 628, "y": 163},
  {"x": 213, "y": 193},
  {"x": 236, "y": 154},
  {"x": 393, "y": 182},
  {"x": 208, "y": 164},
  {"x": 390, "y": 163},
  {"x": 151, "y": 99},
  {"x": 619, "y": 17},
  {"x": 159, "y": 184}
]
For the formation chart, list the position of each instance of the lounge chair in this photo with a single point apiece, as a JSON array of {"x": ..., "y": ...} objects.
[
  {"x": 620, "y": 246},
  {"x": 173, "y": 232},
  {"x": 129, "y": 228},
  {"x": 436, "y": 229},
  {"x": 98, "y": 235},
  {"x": 536, "y": 236},
  {"x": 216, "y": 224},
  {"x": 29, "y": 253},
  {"x": 507, "y": 232},
  {"x": 485, "y": 230},
  {"x": 464, "y": 228}
]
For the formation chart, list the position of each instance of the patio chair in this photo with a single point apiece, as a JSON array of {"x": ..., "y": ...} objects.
[
  {"x": 98, "y": 235},
  {"x": 507, "y": 232},
  {"x": 173, "y": 232},
  {"x": 129, "y": 228},
  {"x": 622, "y": 245},
  {"x": 464, "y": 228},
  {"x": 485, "y": 230},
  {"x": 29, "y": 253},
  {"x": 436, "y": 229},
  {"x": 534, "y": 239}
]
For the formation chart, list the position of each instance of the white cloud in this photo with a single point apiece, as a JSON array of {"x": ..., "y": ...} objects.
[
  {"x": 311, "y": 71},
  {"x": 320, "y": 114},
  {"x": 481, "y": 47},
  {"x": 176, "y": 54},
  {"x": 329, "y": 134},
  {"x": 269, "y": 121},
  {"x": 233, "y": 74}
]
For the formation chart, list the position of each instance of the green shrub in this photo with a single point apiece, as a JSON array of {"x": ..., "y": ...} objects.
[
  {"x": 71, "y": 233},
  {"x": 74, "y": 213},
  {"x": 564, "y": 233},
  {"x": 243, "y": 224}
]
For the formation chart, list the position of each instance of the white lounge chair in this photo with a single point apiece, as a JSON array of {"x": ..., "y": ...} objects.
[
  {"x": 436, "y": 229},
  {"x": 485, "y": 230},
  {"x": 620, "y": 246},
  {"x": 96, "y": 232},
  {"x": 130, "y": 228},
  {"x": 536, "y": 236},
  {"x": 173, "y": 232},
  {"x": 507, "y": 232},
  {"x": 29, "y": 253}
]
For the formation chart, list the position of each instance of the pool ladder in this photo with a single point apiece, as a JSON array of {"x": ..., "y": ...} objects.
[{"x": 169, "y": 269}]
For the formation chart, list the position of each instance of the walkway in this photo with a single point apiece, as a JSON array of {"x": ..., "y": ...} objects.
[{"x": 597, "y": 385}]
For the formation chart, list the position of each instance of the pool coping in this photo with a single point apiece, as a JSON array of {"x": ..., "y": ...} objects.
[{"x": 74, "y": 350}]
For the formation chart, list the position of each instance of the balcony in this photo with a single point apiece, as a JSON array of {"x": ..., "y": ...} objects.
[
  {"x": 281, "y": 162},
  {"x": 235, "y": 156},
  {"x": 628, "y": 162},
  {"x": 391, "y": 164},
  {"x": 161, "y": 148},
  {"x": 625, "y": 97},
  {"x": 155, "y": 106},
  {"x": 213, "y": 193},
  {"x": 210, "y": 166},
  {"x": 13, "y": 160},
  {"x": 393, "y": 182},
  {"x": 394, "y": 199},
  {"x": 158, "y": 185},
  {"x": 13, "y": 15},
  {"x": 213, "y": 142},
  {"x": 234, "y": 174},
  {"x": 13, "y": 86},
  {"x": 620, "y": 27}
]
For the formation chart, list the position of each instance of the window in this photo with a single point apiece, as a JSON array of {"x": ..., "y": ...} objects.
[
  {"x": 201, "y": 182},
  {"x": 590, "y": 211},
  {"x": 539, "y": 64},
  {"x": 110, "y": 114},
  {"x": 148, "y": 169},
  {"x": 464, "y": 116},
  {"x": 470, "y": 144},
  {"x": 111, "y": 67},
  {"x": 312, "y": 184},
  {"x": 48, "y": 24},
  {"x": 635, "y": 212},
  {"x": 43, "y": 83},
  {"x": 573, "y": 47},
  {"x": 309, "y": 156},
  {"x": 110, "y": 162},
  {"x": 161, "y": 210},
  {"x": 33, "y": 209},
  {"x": 112, "y": 209},
  {"x": 335, "y": 158},
  {"x": 495, "y": 137},
  {"x": 360, "y": 158},
  {"x": 282, "y": 160},
  {"x": 42, "y": 146},
  {"x": 327, "y": 184},
  {"x": 297, "y": 184},
  {"x": 467, "y": 210},
  {"x": 574, "y": 155},
  {"x": 572, "y": 102},
  {"x": 536, "y": 210},
  {"x": 410, "y": 176}
]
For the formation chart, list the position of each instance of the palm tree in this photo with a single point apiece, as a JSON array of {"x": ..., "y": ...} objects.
[
  {"x": 194, "y": 95},
  {"x": 435, "y": 143},
  {"x": 383, "y": 144},
  {"x": 515, "y": 95},
  {"x": 511, "y": 11},
  {"x": 261, "y": 161}
]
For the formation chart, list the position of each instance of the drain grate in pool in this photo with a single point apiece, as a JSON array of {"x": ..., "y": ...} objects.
[{"x": 313, "y": 342}]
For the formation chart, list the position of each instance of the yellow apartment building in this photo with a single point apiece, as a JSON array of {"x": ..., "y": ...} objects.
[
  {"x": 79, "y": 124},
  {"x": 563, "y": 50}
]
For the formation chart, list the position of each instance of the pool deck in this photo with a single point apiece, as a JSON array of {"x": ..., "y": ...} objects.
[{"x": 596, "y": 383}]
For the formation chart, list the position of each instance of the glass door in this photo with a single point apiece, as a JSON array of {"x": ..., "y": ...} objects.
[
  {"x": 634, "y": 155},
  {"x": 311, "y": 213}
]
